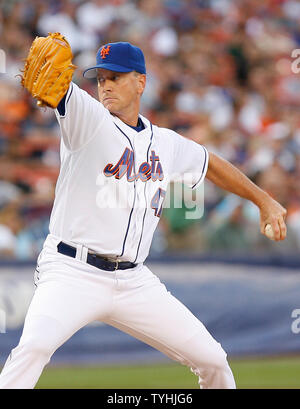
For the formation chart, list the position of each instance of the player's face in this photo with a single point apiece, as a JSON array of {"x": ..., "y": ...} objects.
[{"x": 120, "y": 92}]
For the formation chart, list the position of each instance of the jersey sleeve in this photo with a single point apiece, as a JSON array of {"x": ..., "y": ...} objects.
[
  {"x": 190, "y": 161},
  {"x": 79, "y": 116}
]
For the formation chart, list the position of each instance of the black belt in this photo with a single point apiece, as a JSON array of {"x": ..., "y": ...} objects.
[{"x": 94, "y": 259}]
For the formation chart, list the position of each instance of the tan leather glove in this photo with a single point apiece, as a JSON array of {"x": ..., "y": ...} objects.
[{"x": 48, "y": 69}]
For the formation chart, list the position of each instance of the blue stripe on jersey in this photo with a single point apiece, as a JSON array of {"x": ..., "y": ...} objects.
[
  {"x": 205, "y": 160},
  {"x": 70, "y": 93},
  {"x": 61, "y": 107},
  {"x": 129, "y": 220},
  {"x": 138, "y": 249}
]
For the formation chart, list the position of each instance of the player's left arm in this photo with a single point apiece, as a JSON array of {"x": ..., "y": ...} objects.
[{"x": 226, "y": 176}]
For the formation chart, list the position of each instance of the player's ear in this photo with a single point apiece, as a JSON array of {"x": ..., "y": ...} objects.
[{"x": 141, "y": 81}]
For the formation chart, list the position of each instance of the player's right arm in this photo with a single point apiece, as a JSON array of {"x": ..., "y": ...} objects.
[{"x": 226, "y": 176}]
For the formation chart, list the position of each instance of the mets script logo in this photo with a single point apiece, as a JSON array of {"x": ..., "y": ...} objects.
[
  {"x": 146, "y": 171},
  {"x": 104, "y": 51}
]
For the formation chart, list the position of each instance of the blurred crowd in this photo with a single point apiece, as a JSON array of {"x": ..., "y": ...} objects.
[{"x": 218, "y": 72}]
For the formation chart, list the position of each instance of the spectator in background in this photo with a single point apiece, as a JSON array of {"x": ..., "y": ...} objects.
[
  {"x": 10, "y": 224},
  {"x": 219, "y": 73}
]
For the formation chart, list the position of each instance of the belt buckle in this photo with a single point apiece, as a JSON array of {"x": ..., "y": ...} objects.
[{"x": 117, "y": 265}]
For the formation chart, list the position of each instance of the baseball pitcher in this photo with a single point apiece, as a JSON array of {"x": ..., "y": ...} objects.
[{"x": 115, "y": 169}]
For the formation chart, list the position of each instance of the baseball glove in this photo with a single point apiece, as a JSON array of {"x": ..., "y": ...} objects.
[{"x": 48, "y": 69}]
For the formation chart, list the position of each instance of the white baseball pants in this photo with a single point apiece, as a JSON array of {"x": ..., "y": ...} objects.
[{"x": 70, "y": 294}]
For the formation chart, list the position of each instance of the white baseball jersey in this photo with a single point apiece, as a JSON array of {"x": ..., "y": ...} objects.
[{"x": 113, "y": 179}]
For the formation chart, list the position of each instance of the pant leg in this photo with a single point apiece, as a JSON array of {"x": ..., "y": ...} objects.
[
  {"x": 66, "y": 299},
  {"x": 147, "y": 311}
]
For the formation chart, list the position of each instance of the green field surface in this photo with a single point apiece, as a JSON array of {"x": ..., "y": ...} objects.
[{"x": 267, "y": 373}]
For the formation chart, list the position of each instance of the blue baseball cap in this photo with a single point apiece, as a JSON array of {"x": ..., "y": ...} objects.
[{"x": 119, "y": 57}]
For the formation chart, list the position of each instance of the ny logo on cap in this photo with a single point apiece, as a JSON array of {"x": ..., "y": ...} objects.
[{"x": 105, "y": 51}]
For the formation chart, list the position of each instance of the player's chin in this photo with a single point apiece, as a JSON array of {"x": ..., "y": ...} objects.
[{"x": 111, "y": 105}]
